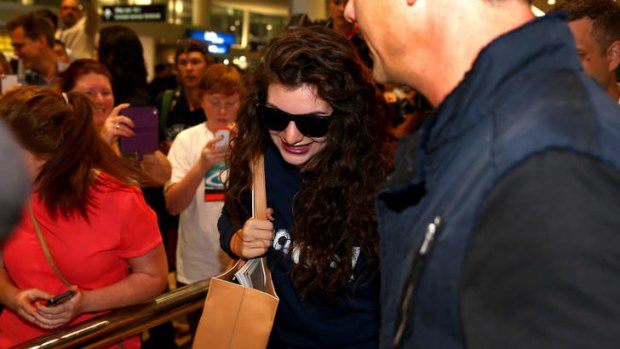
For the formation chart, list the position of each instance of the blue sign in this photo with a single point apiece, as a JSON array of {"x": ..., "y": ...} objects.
[
  {"x": 215, "y": 38},
  {"x": 219, "y": 49}
]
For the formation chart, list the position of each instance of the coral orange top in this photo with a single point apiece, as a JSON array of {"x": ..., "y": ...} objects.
[{"x": 90, "y": 254}]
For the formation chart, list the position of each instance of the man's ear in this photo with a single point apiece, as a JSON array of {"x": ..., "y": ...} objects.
[
  {"x": 613, "y": 55},
  {"x": 41, "y": 40}
]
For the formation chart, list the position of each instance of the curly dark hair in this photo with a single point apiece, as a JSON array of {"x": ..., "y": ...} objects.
[{"x": 334, "y": 208}]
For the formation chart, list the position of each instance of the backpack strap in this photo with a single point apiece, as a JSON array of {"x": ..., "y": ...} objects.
[{"x": 165, "y": 109}]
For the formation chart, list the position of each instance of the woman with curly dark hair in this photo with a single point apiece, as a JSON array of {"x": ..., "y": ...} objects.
[{"x": 315, "y": 113}]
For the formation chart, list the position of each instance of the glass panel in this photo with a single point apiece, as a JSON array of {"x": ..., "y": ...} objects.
[
  {"x": 264, "y": 27},
  {"x": 227, "y": 20}
]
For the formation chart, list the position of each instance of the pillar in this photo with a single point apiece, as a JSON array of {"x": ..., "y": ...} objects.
[
  {"x": 201, "y": 13},
  {"x": 315, "y": 9}
]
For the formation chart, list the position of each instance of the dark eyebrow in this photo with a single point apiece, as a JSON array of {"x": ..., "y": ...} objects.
[{"x": 317, "y": 113}]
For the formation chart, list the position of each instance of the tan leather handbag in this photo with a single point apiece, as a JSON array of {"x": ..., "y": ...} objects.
[{"x": 235, "y": 316}]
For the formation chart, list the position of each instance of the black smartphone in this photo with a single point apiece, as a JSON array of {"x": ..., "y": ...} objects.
[
  {"x": 146, "y": 121},
  {"x": 61, "y": 298}
]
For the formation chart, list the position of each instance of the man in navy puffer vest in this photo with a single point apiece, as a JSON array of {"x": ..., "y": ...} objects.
[{"x": 500, "y": 227}]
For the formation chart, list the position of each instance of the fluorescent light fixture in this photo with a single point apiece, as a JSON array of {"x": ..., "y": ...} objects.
[{"x": 537, "y": 12}]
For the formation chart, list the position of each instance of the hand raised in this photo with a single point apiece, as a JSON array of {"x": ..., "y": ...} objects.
[{"x": 116, "y": 125}]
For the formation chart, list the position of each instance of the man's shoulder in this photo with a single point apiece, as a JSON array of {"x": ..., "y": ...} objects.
[
  {"x": 572, "y": 113},
  {"x": 566, "y": 101},
  {"x": 75, "y": 29}
]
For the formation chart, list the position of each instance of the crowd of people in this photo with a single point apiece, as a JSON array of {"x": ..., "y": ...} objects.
[{"x": 491, "y": 225}]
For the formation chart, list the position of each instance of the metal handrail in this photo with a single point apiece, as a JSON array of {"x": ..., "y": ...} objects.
[{"x": 122, "y": 323}]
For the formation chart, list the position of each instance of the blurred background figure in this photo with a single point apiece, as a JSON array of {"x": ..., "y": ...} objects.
[
  {"x": 84, "y": 204},
  {"x": 120, "y": 50},
  {"x": 181, "y": 108},
  {"x": 164, "y": 80},
  {"x": 50, "y": 15},
  {"x": 79, "y": 30},
  {"x": 61, "y": 52},
  {"x": 338, "y": 23},
  {"x": 596, "y": 28},
  {"x": 5, "y": 66},
  {"x": 14, "y": 186},
  {"x": 348, "y": 29},
  {"x": 32, "y": 38},
  {"x": 409, "y": 109}
]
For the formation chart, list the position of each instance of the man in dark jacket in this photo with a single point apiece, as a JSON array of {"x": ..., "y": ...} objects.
[{"x": 500, "y": 226}]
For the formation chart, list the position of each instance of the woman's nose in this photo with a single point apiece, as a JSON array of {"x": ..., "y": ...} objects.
[
  {"x": 291, "y": 134},
  {"x": 98, "y": 98}
]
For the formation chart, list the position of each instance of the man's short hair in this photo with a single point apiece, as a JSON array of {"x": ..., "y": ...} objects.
[
  {"x": 193, "y": 45},
  {"x": 34, "y": 26},
  {"x": 47, "y": 13},
  {"x": 604, "y": 14}
]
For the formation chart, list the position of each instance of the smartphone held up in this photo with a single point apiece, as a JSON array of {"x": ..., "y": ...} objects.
[{"x": 222, "y": 132}]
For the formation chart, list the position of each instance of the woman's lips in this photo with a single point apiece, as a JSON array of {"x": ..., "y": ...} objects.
[{"x": 296, "y": 149}]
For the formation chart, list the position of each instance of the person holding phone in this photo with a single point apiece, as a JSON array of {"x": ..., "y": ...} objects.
[
  {"x": 101, "y": 235},
  {"x": 95, "y": 81},
  {"x": 315, "y": 114},
  {"x": 195, "y": 190}
]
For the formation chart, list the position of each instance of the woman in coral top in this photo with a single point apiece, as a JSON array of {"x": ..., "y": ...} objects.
[{"x": 101, "y": 234}]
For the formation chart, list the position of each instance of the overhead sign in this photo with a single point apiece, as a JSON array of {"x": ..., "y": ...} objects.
[
  {"x": 219, "y": 43},
  {"x": 149, "y": 13},
  {"x": 219, "y": 49}
]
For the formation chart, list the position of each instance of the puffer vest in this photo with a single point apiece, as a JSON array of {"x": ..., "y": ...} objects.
[{"x": 525, "y": 94}]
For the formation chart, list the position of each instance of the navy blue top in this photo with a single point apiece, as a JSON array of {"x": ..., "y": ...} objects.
[{"x": 340, "y": 323}]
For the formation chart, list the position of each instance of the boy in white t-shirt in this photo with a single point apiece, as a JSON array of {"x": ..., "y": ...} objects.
[{"x": 195, "y": 190}]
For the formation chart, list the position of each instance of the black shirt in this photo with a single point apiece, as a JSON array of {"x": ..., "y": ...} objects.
[{"x": 523, "y": 283}]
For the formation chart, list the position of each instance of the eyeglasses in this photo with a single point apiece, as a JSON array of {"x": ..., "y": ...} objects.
[{"x": 311, "y": 125}]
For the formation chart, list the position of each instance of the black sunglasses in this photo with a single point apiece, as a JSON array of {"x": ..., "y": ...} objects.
[{"x": 311, "y": 125}]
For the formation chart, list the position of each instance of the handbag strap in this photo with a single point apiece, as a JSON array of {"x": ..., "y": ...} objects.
[
  {"x": 259, "y": 192},
  {"x": 49, "y": 258},
  {"x": 46, "y": 250},
  {"x": 165, "y": 109},
  {"x": 260, "y": 207}
]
